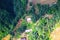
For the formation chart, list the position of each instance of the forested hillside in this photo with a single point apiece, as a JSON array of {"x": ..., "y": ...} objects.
[{"x": 29, "y": 20}]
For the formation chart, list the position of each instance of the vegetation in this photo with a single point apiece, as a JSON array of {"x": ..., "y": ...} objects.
[{"x": 41, "y": 24}]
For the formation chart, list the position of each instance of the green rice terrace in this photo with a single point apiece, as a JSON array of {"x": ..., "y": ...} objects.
[{"x": 29, "y": 19}]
